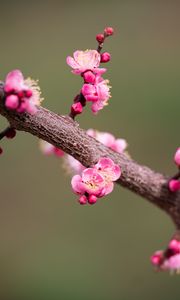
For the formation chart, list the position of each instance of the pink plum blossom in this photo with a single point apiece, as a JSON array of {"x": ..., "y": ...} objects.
[
  {"x": 96, "y": 182},
  {"x": 172, "y": 263},
  {"x": 118, "y": 145},
  {"x": 98, "y": 94},
  {"x": 177, "y": 157},
  {"x": 22, "y": 95},
  {"x": 168, "y": 260},
  {"x": 85, "y": 60},
  {"x": 49, "y": 149},
  {"x": 90, "y": 182}
]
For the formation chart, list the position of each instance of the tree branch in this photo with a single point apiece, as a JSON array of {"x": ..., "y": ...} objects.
[{"x": 63, "y": 132}]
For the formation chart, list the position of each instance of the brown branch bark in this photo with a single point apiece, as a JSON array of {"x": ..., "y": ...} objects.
[{"x": 66, "y": 134}]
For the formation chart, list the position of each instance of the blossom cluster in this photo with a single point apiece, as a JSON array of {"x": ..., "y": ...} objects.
[
  {"x": 96, "y": 182},
  {"x": 168, "y": 260},
  {"x": 95, "y": 89},
  {"x": 21, "y": 95},
  {"x": 75, "y": 167},
  {"x": 174, "y": 183}
]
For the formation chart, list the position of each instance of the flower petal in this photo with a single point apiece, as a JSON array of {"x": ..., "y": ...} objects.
[{"x": 76, "y": 183}]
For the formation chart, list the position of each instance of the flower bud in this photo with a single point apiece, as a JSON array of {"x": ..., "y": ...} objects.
[
  {"x": 100, "y": 38},
  {"x": 76, "y": 108},
  {"x": 83, "y": 200},
  {"x": 105, "y": 57},
  {"x": 174, "y": 185},
  {"x": 92, "y": 199},
  {"x": 89, "y": 77},
  {"x": 108, "y": 31},
  {"x": 12, "y": 102}
]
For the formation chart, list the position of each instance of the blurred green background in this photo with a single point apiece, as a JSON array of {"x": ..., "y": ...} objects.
[{"x": 51, "y": 247}]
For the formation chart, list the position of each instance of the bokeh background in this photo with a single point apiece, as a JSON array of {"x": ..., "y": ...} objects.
[{"x": 51, "y": 247}]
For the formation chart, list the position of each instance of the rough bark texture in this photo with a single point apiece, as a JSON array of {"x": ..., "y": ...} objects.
[{"x": 66, "y": 134}]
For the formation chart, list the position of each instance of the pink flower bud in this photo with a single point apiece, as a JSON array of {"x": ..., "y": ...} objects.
[
  {"x": 11, "y": 133},
  {"x": 89, "y": 77},
  {"x": 100, "y": 38},
  {"x": 105, "y": 57},
  {"x": 12, "y": 102},
  {"x": 156, "y": 258},
  {"x": 92, "y": 199},
  {"x": 83, "y": 200},
  {"x": 174, "y": 245},
  {"x": 108, "y": 31},
  {"x": 58, "y": 152},
  {"x": 88, "y": 89},
  {"x": 174, "y": 185},
  {"x": 28, "y": 93},
  {"x": 1, "y": 150},
  {"x": 76, "y": 108},
  {"x": 177, "y": 157},
  {"x": 21, "y": 94}
]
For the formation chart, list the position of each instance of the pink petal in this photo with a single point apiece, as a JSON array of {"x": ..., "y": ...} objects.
[
  {"x": 76, "y": 184},
  {"x": 109, "y": 188},
  {"x": 100, "y": 71},
  {"x": 120, "y": 145},
  {"x": 46, "y": 148},
  {"x": 77, "y": 55},
  {"x": 91, "y": 98},
  {"x": 92, "y": 175},
  {"x": 104, "y": 163},
  {"x": 74, "y": 164},
  {"x": 96, "y": 106},
  {"x": 172, "y": 263},
  {"x": 71, "y": 62},
  {"x": 88, "y": 89},
  {"x": 106, "y": 138},
  {"x": 110, "y": 170},
  {"x": 14, "y": 81},
  {"x": 115, "y": 173},
  {"x": 91, "y": 132}
]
